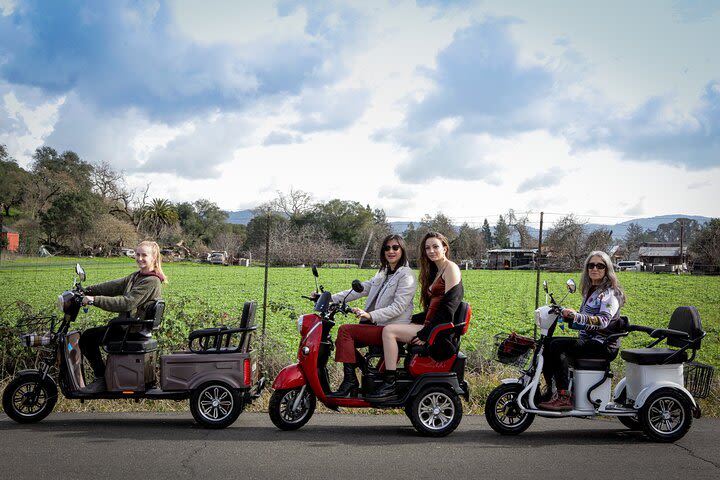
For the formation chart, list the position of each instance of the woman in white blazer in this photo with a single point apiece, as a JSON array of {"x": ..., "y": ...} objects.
[{"x": 390, "y": 300}]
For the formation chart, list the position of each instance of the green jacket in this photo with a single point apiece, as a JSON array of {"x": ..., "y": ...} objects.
[{"x": 129, "y": 296}]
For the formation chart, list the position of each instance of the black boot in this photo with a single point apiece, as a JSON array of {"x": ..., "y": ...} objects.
[
  {"x": 388, "y": 389},
  {"x": 349, "y": 383}
]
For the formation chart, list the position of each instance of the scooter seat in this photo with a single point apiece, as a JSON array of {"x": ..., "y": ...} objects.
[
  {"x": 589, "y": 363},
  {"x": 653, "y": 356},
  {"x": 131, "y": 346}
]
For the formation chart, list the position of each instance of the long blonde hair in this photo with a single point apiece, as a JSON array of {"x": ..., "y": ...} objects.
[{"x": 157, "y": 263}]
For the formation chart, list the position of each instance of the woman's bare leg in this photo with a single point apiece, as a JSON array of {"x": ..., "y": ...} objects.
[{"x": 391, "y": 335}]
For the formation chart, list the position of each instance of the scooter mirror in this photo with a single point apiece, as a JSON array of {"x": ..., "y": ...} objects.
[
  {"x": 357, "y": 286},
  {"x": 545, "y": 286},
  {"x": 314, "y": 270},
  {"x": 571, "y": 285},
  {"x": 80, "y": 272}
]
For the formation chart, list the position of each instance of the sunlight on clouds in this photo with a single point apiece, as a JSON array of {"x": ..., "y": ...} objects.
[{"x": 39, "y": 122}]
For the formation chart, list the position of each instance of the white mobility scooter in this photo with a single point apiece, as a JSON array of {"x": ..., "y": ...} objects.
[{"x": 657, "y": 394}]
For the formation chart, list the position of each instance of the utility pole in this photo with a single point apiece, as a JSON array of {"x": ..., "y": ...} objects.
[
  {"x": 367, "y": 245},
  {"x": 538, "y": 257}
]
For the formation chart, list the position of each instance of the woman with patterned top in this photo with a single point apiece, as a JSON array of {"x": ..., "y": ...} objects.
[
  {"x": 599, "y": 316},
  {"x": 441, "y": 292}
]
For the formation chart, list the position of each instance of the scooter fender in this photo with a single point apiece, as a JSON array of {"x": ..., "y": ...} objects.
[
  {"x": 510, "y": 381},
  {"x": 650, "y": 389},
  {"x": 619, "y": 388},
  {"x": 289, "y": 377}
]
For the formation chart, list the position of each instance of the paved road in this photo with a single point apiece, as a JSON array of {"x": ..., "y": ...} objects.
[{"x": 170, "y": 446}]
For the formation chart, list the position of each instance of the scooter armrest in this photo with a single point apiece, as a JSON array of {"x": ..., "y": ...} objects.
[
  {"x": 437, "y": 330},
  {"x": 668, "y": 332}
]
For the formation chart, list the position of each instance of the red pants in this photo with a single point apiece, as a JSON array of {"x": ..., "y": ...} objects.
[{"x": 352, "y": 336}]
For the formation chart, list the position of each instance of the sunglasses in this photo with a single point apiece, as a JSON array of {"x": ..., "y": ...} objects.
[
  {"x": 599, "y": 266},
  {"x": 395, "y": 248}
]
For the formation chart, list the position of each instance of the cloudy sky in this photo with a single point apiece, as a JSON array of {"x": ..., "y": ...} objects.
[{"x": 609, "y": 110}]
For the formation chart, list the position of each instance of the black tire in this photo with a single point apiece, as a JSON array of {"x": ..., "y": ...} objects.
[
  {"x": 436, "y": 411},
  {"x": 29, "y": 398},
  {"x": 280, "y": 408},
  {"x": 502, "y": 411},
  {"x": 631, "y": 423},
  {"x": 666, "y": 415},
  {"x": 215, "y": 405}
]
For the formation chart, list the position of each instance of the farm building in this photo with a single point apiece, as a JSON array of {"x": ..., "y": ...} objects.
[
  {"x": 511, "y": 258},
  {"x": 666, "y": 254},
  {"x": 13, "y": 238}
]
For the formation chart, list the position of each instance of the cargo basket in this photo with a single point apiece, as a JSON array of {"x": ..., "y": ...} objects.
[
  {"x": 698, "y": 378},
  {"x": 513, "y": 349}
]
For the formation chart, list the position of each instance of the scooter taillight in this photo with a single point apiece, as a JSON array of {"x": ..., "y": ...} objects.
[{"x": 246, "y": 371}]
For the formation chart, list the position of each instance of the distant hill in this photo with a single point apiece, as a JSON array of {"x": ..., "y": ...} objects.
[{"x": 243, "y": 217}]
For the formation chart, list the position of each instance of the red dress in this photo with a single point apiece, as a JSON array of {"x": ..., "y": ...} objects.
[{"x": 437, "y": 293}]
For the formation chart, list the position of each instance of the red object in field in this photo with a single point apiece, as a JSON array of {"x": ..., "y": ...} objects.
[{"x": 13, "y": 239}]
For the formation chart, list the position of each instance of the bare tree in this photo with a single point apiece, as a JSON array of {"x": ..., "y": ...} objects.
[{"x": 295, "y": 204}]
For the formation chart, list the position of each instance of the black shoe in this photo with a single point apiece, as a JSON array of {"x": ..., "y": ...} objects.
[
  {"x": 350, "y": 382},
  {"x": 97, "y": 386},
  {"x": 387, "y": 390}
]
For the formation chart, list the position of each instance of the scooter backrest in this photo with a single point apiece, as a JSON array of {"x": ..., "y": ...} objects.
[
  {"x": 155, "y": 312},
  {"x": 462, "y": 318},
  {"x": 686, "y": 319}
]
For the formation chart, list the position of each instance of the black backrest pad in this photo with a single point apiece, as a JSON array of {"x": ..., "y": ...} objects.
[
  {"x": 155, "y": 312},
  {"x": 248, "y": 315},
  {"x": 459, "y": 318},
  {"x": 685, "y": 319}
]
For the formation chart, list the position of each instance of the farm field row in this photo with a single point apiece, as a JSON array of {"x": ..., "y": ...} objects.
[{"x": 199, "y": 295}]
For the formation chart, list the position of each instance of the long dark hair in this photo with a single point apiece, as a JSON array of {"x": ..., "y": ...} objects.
[
  {"x": 609, "y": 281},
  {"x": 403, "y": 258},
  {"x": 428, "y": 269}
]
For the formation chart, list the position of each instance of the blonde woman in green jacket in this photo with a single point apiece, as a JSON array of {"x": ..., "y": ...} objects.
[{"x": 129, "y": 296}]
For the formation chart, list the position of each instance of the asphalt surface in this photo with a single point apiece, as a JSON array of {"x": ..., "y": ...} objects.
[{"x": 332, "y": 446}]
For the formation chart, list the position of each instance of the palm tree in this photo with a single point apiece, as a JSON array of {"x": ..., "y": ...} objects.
[{"x": 159, "y": 213}]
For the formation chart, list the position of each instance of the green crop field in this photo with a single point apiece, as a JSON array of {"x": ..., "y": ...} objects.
[{"x": 200, "y": 295}]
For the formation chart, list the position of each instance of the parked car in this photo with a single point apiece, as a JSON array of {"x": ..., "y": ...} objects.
[
  {"x": 218, "y": 258},
  {"x": 128, "y": 252},
  {"x": 630, "y": 266}
]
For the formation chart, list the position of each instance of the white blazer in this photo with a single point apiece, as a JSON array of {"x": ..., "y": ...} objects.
[{"x": 393, "y": 299}]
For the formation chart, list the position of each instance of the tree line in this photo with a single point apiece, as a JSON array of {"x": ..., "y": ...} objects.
[{"x": 82, "y": 208}]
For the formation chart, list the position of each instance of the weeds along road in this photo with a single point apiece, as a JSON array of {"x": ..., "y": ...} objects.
[{"x": 331, "y": 446}]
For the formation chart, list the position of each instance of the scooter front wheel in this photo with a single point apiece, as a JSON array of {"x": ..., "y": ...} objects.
[
  {"x": 29, "y": 398},
  {"x": 288, "y": 411},
  {"x": 503, "y": 413},
  {"x": 215, "y": 405}
]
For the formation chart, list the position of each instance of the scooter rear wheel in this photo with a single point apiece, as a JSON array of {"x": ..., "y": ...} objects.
[
  {"x": 215, "y": 405},
  {"x": 503, "y": 413},
  {"x": 29, "y": 398},
  {"x": 666, "y": 415},
  {"x": 436, "y": 411},
  {"x": 281, "y": 410}
]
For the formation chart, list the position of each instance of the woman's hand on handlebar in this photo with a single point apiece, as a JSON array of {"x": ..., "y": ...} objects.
[
  {"x": 568, "y": 313},
  {"x": 313, "y": 296},
  {"x": 88, "y": 300}
]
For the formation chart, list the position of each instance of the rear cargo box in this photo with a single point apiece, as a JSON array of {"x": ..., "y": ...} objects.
[{"x": 186, "y": 371}]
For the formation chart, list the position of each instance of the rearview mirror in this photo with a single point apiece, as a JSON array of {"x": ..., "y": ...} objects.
[
  {"x": 314, "y": 270},
  {"x": 80, "y": 272},
  {"x": 571, "y": 285},
  {"x": 357, "y": 286}
]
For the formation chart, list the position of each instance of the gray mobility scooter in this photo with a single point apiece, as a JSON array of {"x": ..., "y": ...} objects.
[{"x": 218, "y": 373}]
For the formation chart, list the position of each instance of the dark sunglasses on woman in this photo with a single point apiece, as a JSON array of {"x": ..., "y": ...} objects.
[
  {"x": 599, "y": 266},
  {"x": 395, "y": 248}
]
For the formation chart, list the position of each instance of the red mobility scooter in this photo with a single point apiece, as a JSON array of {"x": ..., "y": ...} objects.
[{"x": 430, "y": 378}]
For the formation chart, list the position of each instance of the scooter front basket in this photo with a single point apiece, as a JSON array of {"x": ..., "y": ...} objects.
[{"x": 513, "y": 349}]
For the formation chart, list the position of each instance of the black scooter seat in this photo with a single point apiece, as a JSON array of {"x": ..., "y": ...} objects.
[{"x": 653, "y": 356}]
